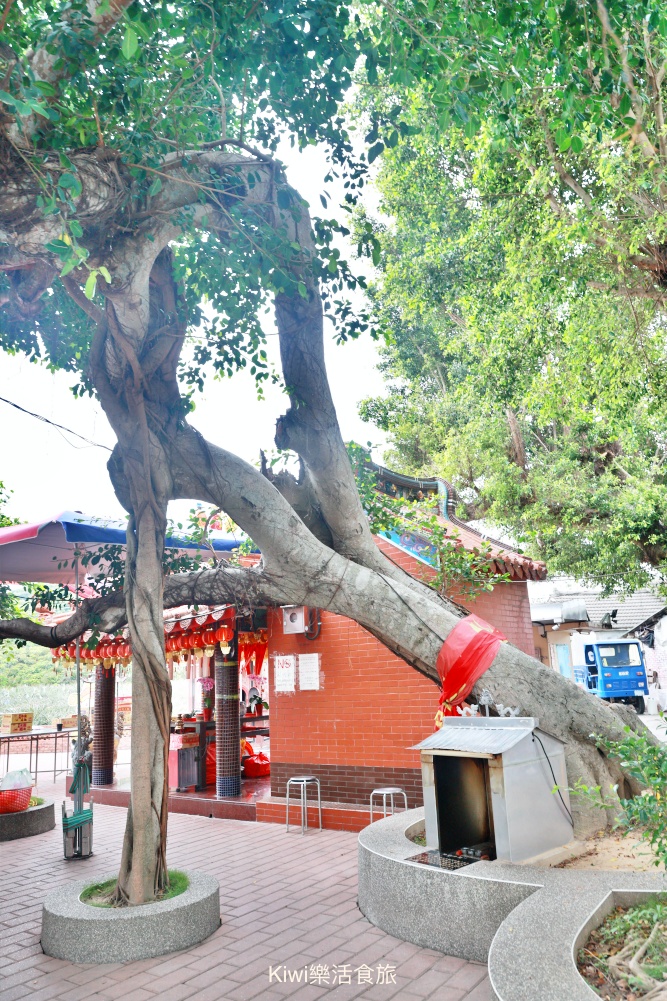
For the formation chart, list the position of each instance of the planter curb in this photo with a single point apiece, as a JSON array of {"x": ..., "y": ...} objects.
[
  {"x": 526, "y": 922},
  {"x": 26, "y": 823},
  {"x": 82, "y": 933}
]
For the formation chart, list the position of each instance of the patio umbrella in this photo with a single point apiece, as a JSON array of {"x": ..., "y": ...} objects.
[{"x": 34, "y": 552}]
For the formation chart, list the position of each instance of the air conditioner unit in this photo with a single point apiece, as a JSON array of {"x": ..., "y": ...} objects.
[{"x": 294, "y": 619}]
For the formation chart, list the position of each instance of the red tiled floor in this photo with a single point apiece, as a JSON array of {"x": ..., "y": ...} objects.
[{"x": 287, "y": 903}]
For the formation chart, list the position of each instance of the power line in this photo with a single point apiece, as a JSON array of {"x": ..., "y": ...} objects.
[{"x": 60, "y": 427}]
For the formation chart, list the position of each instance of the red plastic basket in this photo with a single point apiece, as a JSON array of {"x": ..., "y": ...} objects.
[{"x": 15, "y": 800}]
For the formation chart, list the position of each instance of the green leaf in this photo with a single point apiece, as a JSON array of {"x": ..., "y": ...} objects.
[
  {"x": 563, "y": 140},
  {"x": 59, "y": 247},
  {"x": 21, "y": 107},
  {"x": 70, "y": 182},
  {"x": 155, "y": 187},
  {"x": 375, "y": 151},
  {"x": 472, "y": 127},
  {"x": 39, "y": 108},
  {"x": 76, "y": 229},
  {"x": 303, "y": 291},
  {"x": 130, "y": 43},
  {"x": 576, "y": 144},
  {"x": 105, "y": 274},
  {"x": 91, "y": 285},
  {"x": 46, "y": 88},
  {"x": 69, "y": 266},
  {"x": 283, "y": 198}
]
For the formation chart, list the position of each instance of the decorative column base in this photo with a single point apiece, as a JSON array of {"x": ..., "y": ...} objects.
[
  {"x": 228, "y": 786},
  {"x": 102, "y": 776}
]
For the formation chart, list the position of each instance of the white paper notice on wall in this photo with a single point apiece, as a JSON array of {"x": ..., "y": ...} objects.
[
  {"x": 284, "y": 672},
  {"x": 309, "y": 671}
]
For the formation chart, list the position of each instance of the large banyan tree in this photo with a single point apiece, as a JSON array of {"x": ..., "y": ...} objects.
[{"x": 144, "y": 222}]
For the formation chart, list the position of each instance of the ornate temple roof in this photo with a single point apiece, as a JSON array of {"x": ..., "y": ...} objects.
[{"x": 505, "y": 558}]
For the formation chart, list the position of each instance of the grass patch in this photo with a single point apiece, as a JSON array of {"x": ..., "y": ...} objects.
[
  {"x": 36, "y": 801},
  {"x": 99, "y": 894},
  {"x": 419, "y": 839},
  {"x": 626, "y": 957}
]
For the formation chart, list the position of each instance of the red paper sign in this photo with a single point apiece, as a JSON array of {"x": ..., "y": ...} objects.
[{"x": 466, "y": 654}]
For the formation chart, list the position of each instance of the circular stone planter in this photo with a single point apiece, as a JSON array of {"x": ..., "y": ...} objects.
[
  {"x": 82, "y": 933},
  {"x": 25, "y": 823},
  {"x": 520, "y": 918}
]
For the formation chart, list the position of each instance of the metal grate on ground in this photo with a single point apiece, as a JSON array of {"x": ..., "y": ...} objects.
[{"x": 441, "y": 861}]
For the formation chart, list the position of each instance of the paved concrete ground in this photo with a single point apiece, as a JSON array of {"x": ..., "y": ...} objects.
[{"x": 288, "y": 903}]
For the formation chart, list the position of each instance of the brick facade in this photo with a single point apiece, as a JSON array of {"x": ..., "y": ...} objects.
[
  {"x": 356, "y": 732},
  {"x": 350, "y": 783}
]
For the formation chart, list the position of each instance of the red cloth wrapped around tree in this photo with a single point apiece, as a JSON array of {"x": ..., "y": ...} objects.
[{"x": 466, "y": 654}]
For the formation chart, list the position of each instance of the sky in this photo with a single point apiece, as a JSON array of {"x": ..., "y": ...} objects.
[{"x": 50, "y": 471}]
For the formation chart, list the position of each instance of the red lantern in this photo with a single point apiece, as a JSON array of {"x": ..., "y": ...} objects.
[
  {"x": 224, "y": 634},
  {"x": 209, "y": 637},
  {"x": 71, "y": 649}
]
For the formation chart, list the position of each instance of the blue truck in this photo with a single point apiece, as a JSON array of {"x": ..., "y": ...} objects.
[{"x": 615, "y": 671}]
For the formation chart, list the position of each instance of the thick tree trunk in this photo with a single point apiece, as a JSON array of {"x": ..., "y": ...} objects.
[
  {"x": 136, "y": 382},
  {"x": 143, "y": 870}
]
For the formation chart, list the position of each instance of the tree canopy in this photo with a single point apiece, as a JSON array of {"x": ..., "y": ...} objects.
[
  {"x": 128, "y": 95},
  {"x": 520, "y": 276}
]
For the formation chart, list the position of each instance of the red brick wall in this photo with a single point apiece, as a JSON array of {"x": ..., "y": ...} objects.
[
  {"x": 371, "y": 706},
  {"x": 507, "y": 606}
]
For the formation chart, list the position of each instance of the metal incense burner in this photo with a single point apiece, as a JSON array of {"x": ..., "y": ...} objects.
[{"x": 494, "y": 788}]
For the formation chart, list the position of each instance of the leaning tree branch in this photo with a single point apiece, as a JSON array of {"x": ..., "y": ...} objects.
[
  {"x": 76, "y": 293},
  {"x": 631, "y": 291},
  {"x": 106, "y": 613},
  {"x": 244, "y": 586},
  {"x": 642, "y": 140}
]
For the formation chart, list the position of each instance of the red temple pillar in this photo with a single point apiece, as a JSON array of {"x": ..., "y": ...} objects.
[
  {"x": 103, "y": 732},
  {"x": 227, "y": 724}
]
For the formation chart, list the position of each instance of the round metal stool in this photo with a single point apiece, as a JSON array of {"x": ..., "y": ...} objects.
[
  {"x": 301, "y": 782},
  {"x": 388, "y": 792}
]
